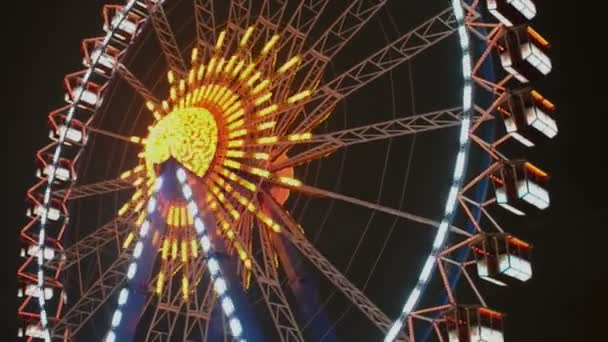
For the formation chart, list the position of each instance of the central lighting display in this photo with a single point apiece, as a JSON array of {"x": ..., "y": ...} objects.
[{"x": 189, "y": 135}]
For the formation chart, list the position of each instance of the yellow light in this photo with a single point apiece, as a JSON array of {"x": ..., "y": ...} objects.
[
  {"x": 159, "y": 282},
  {"x": 236, "y": 124},
  {"x": 184, "y": 251},
  {"x": 236, "y": 143},
  {"x": 270, "y": 44},
  {"x": 263, "y": 98},
  {"x": 194, "y": 248},
  {"x": 136, "y": 140},
  {"x": 230, "y": 64},
  {"x": 254, "y": 78},
  {"x": 200, "y": 72},
  {"x": 211, "y": 69},
  {"x": 125, "y": 174},
  {"x": 220, "y": 40},
  {"x": 267, "y": 140},
  {"x": 259, "y": 172},
  {"x": 261, "y": 155},
  {"x": 165, "y": 249},
  {"x": 191, "y": 76},
  {"x": 238, "y": 68},
  {"x": 238, "y": 133},
  {"x": 141, "y": 218},
  {"x": 268, "y": 110},
  {"x": 185, "y": 287},
  {"x": 150, "y": 105},
  {"x": 232, "y": 109},
  {"x": 138, "y": 206},
  {"x": 220, "y": 66},
  {"x": 174, "y": 249},
  {"x": 170, "y": 76},
  {"x": 136, "y": 195},
  {"x": 266, "y": 125},
  {"x": 166, "y": 106},
  {"x": 190, "y": 135},
  {"x": 123, "y": 209},
  {"x": 184, "y": 217},
  {"x": 235, "y": 154},
  {"x": 246, "y": 36},
  {"x": 194, "y": 55},
  {"x": 236, "y": 115},
  {"x": 290, "y": 181},
  {"x": 299, "y": 137},
  {"x": 128, "y": 240},
  {"x": 157, "y": 115},
  {"x": 247, "y": 71},
  {"x": 299, "y": 96},
  {"x": 261, "y": 86},
  {"x": 293, "y": 61},
  {"x": 182, "y": 87}
]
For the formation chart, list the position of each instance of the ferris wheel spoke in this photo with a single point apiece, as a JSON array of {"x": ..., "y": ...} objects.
[
  {"x": 136, "y": 84},
  {"x": 98, "y": 188},
  {"x": 268, "y": 281},
  {"x": 314, "y": 191},
  {"x": 381, "y": 62},
  {"x": 294, "y": 235},
  {"x": 89, "y": 303},
  {"x": 166, "y": 37},
  {"x": 111, "y": 232},
  {"x": 205, "y": 23},
  {"x": 330, "y": 142},
  {"x": 315, "y": 59},
  {"x": 239, "y": 13}
]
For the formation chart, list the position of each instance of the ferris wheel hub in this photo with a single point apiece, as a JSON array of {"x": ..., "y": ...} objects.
[{"x": 190, "y": 135}]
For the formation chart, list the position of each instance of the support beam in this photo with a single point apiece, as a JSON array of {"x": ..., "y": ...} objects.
[
  {"x": 400, "y": 51},
  {"x": 136, "y": 84},
  {"x": 330, "y": 142},
  {"x": 166, "y": 37},
  {"x": 205, "y": 23},
  {"x": 293, "y": 233},
  {"x": 87, "y": 305},
  {"x": 94, "y": 189}
]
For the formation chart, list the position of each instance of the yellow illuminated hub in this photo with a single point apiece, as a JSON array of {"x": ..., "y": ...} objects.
[
  {"x": 218, "y": 122},
  {"x": 189, "y": 135}
]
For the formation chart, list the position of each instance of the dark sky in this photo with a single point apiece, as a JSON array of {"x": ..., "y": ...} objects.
[{"x": 561, "y": 303}]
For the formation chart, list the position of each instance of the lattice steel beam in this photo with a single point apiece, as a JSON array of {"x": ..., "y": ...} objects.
[
  {"x": 166, "y": 37},
  {"x": 297, "y": 238},
  {"x": 111, "y": 232},
  {"x": 403, "y": 49},
  {"x": 98, "y": 188},
  {"x": 268, "y": 281},
  {"x": 135, "y": 83},
  {"x": 329, "y": 143},
  {"x": 88, "y": 304},
  {"x": 239, "y": 13},
  {"x": 205, "y": 23}
]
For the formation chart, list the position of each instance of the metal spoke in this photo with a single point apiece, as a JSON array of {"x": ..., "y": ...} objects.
[
  {"x": 403, "y": 49},
  {"x": 88, "y": 304},
  {"x": 94, "y": 189},
  {"x": 310, "y": 190},
  {"x": 239, "y": 13},
  {"x": 136, "y": 84},
  {"x": 268, "y": 281},
  {"x": 166, "y": 37},
  {"x": 112, "y": 231},
  {"x": 205, "y": 23},
  {"x": 297, "y": 238},
  {"x": 328, "y": 143}
]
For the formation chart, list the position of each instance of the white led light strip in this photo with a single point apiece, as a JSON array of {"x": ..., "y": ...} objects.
[
  {"x": 219, "y": 284},
  {"x": 459, "y": 169},
  {"x": 132, "y": 270},
  {"x": 52, "y": 175}
]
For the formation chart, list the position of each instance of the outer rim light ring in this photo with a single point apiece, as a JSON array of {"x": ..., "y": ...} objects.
[
  {"x": 51, "y": 178},
  {"x": 457, "y": 178}
]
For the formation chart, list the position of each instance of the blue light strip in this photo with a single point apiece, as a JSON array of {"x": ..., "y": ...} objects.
[
  {"x": 219, "y": 283},
  {"x": 457, "y": 180},
  {"x": 123, "y": 297}
]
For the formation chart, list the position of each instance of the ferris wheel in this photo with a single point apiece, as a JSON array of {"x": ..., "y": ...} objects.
[{"x": 225, "y": 170}]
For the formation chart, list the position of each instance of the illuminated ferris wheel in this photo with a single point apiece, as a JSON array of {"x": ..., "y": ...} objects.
[{"x": 221, "y": 167}]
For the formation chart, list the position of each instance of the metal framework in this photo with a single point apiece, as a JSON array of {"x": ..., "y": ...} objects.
[{"x": 242, "y": 207}]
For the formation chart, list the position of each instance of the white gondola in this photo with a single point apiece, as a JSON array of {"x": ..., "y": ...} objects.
[
  {"x": 473, "y": 324},
  {"x": 527, "y": 119},
  {"x": 512, "y": 12},
  {"x": 520, "y": 186},
  {"x": 502, "y": 258},
  {"x": 523, "y": 54}
]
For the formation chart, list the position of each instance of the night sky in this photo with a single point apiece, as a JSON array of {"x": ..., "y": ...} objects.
[{"x": 563, "y": 300}]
